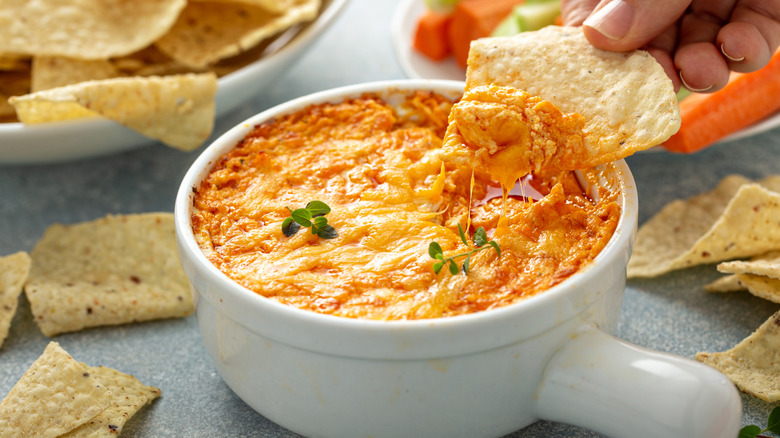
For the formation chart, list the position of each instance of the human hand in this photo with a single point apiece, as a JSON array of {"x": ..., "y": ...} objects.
[{"x": 698, "y": 42}]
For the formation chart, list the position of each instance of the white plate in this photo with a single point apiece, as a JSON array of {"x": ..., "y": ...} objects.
[
  {"x": 75, "y": 139},
  {"x": 416, "y": 65},
  {"x": 413, "y": 63}
]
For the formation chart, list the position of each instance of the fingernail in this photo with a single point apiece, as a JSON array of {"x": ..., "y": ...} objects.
[
  {"x": 695, "y": 90},
  {"x": 613, "y": 20},
  {"x": 723, "y": 51}
]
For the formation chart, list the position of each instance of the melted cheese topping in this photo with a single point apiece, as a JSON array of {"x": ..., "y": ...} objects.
[
  {"x": 391, "y": 195},
  {"x": 511, "y": 134}
]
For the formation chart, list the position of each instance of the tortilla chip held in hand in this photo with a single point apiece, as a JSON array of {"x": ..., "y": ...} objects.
[{"x": 549, "y": 100}]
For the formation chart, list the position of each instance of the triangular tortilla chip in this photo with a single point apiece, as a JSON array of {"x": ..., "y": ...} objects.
[
  {"x": 84, "y": 29},
  {"x": 627, "y": 101},
  {"x": 12, "y": 83},
  {"x": 753, "y": 364},
  {"x": 209, "y": 31},
  {"x": 14, "y": 269},
  {"x": 765, "y": 264},
  {"x": 14, "y": 62},
  {"x": 128, "y": 396},
  {"x": 57, "y": 71},
  {"x": 760, "y": 276},
  {"x": 736, "y": 219},
  {"x": 54, "y": 396},
  {"x": 728, "y": 283},
  {"x": 275, "y": 6},
  {"x": 763, "y": 287},
  {"x": 114, "y": 270},
  {"x": 177, "y": 110}
]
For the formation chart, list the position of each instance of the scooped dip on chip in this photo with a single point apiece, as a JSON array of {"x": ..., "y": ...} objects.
[
  {"x": 389, "y": 195},
  {"x": 550, "y": 100}
]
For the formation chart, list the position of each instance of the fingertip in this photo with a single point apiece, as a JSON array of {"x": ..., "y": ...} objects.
[
  {"x": 575, "y": 12},
  {"x": 702, "y": 67},
  {"x": 743, "y": 47},
  {"x": 613, "y": 20},
  {"x": 665, "y": 60}
]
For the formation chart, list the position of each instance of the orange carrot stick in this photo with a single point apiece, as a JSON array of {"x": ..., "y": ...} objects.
[
  {"x": 474, "y": 19},
  {"x": 745, "y": 100},
  {"x": 430, "y": 36}
]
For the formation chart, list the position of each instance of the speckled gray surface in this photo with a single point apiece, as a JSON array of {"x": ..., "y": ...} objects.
[{"x": 671, "y": 313}]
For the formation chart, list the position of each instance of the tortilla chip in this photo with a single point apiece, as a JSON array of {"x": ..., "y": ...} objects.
[
  {"x": 84, "y": 29},
  {"x": 766, "y": 264},
  {"x": 57, "y": 71},
  {"x": 113, "y": 270},
  {"x": 14, "y": 269},
  {"x": 54, "y": 396},
  {"x": 128, "y": 396},
  {"x": 627, "y": 100},
  {"x": 176, "y": 110},
  {"x": 209, "y": 31},
  {"x": 152, "y": 62},
  {"x": 275, "y": 6},
  {"x": 760, "y": 286},
  {"x": 753, "y": 364},
  {"x": 728, "y": 283},
  {"x": 737, "y": 219},
  {"x": 12, "y": 83},
  {"x": 14, "y": 62}
]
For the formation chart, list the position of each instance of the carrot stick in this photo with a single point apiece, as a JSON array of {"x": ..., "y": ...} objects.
[
  {"x": 430, "y": 36},
  {"x": 745, "y": 100},
  {"x": 474, "y": 19}
]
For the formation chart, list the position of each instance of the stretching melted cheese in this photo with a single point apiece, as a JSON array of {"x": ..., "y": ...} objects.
[
  {"x": 512, "y": 134},
  {"x": 391, "y": 195}
]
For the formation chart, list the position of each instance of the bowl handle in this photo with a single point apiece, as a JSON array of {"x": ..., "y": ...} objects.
[{"x": 618, "y": 389}]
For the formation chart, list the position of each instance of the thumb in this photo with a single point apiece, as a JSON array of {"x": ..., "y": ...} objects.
[
  {"x": 574, "y": 12},
  {"x": 622, "y": 25}
]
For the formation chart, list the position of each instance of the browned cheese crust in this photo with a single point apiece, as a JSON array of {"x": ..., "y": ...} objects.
[{"x": 379, "y": 170}]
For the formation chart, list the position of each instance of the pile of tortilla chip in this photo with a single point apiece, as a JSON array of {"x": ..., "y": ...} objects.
[
  {"x": 114, "y": 270},
  {"x": 150, "y": 65},
  {"x": 60, "y": 397},
  {"x": 736, "y": 226}
]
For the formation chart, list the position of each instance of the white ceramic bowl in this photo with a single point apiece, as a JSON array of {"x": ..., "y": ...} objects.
[{"x": 484, "y": 374}]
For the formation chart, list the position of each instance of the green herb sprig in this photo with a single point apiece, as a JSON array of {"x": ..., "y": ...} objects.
[
  {"x": 480, "y": 241},
  {"x": 313, "y": 215},
  {"x": 772, "y": 425}
]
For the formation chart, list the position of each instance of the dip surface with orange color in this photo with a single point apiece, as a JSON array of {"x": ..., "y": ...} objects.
[{"x": 378, "y": 167}]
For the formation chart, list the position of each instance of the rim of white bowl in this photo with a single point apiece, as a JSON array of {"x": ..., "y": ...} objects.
[{"x": 464, "y": 330}]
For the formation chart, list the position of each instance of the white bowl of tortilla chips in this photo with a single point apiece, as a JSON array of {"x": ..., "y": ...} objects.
[
  {"x": 487, "y": 373},
  {"x": 141, "y": 73}
]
